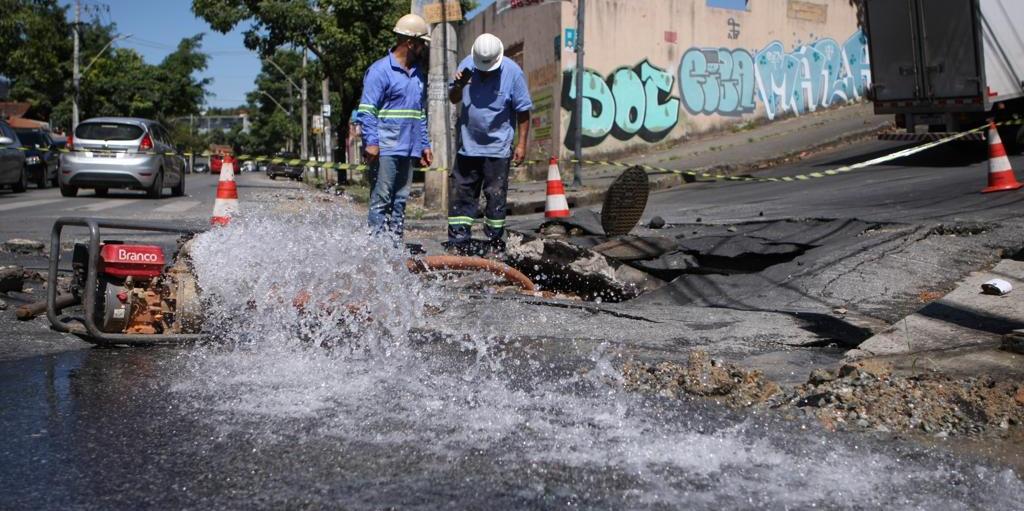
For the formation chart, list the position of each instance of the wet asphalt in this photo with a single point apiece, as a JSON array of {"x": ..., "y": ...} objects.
[{"x": 89, "y": 428}]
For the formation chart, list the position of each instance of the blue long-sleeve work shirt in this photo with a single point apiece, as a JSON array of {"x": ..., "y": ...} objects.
[{"x": 392, "y": 109}]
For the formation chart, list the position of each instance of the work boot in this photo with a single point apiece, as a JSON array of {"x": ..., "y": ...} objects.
[
  {"x": 456, "y": 249},
  {"x": 415, "y": 249},
  {"x": 496, "y": 249}
]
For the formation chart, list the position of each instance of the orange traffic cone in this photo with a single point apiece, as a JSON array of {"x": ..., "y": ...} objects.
[
  {"x": 1000, "y": 173},
  {"x": 556, "y": 206},
  {"x": 227, "y": 196}
]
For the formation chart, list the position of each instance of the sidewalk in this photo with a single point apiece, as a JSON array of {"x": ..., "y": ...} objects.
[
  {"x": 718, "y": 153},
  {"x": 960, "y": 334}
]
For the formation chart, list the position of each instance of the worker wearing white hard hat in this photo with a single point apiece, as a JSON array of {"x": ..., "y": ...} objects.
[
  {"x": 495, "y": 103},
  {"x": 393, "y": 119}
]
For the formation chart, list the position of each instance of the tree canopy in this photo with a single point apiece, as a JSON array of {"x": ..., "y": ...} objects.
[
  {"x": 346, "y": 36},
  {"x": 38, "y": 44},
  {"x": 37, "y": 48}
]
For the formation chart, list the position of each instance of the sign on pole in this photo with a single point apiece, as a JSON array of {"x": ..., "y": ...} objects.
[{"x": 439, "y": 12}]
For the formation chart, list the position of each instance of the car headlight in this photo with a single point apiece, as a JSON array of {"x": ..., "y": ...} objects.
[{"x": 33, "y": 160}]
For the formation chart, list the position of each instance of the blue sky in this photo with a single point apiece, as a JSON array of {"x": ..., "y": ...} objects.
[{"x": 158, "y": 25}]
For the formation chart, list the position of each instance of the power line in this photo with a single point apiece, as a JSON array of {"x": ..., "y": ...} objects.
[{"x": 161, "y": 46}]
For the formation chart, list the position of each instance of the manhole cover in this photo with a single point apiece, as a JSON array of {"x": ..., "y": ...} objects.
[{"x": 625, "y": 202}]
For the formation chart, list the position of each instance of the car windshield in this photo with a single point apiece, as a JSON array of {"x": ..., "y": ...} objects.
[
  {"x": 107, "y": 131},
  {"x": 33, "y": 138}
]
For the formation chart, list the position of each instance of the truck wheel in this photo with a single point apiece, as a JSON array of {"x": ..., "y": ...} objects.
[
  {"x": 1013, "y": 138},
  {"x": 1018, "y": 141},
  {"x": 157, "y": 190}
]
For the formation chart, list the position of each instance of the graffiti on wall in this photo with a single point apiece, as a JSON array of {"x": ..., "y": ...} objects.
[
  {"x": 638, "y": 101},
  {"x": 728, "y": 82},
  {"x": 631, "y": 101}
]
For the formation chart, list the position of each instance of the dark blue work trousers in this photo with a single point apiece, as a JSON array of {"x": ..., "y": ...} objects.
[{"x": 470, "y": 175}]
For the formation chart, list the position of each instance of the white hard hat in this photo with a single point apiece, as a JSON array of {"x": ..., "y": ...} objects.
[
  {"x": 412, "y": 25},
  {"x": 487, "y": 52}
]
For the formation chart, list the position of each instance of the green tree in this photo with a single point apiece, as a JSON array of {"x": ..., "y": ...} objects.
[
  {"x": 36, "y": 48},
  {"x": 181, "y": 93},
  {"x": 275, "y": 104},
  {"x": 346, "y": 36},
  {"x": 37, "y": 45}
]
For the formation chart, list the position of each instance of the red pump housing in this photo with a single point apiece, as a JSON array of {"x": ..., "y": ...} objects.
[{"x": 138, "y": 261}]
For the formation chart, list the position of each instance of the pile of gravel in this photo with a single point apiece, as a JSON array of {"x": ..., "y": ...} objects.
[
  {"x": 870, "y": 397},
  {"x": 861, "y": 396}
]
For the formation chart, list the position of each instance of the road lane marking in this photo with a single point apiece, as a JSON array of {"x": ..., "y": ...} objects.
[
  {"x": 177, "y": 207},
  {"x": 101, "y": 206},
  {"x": 27, "y": 204}
]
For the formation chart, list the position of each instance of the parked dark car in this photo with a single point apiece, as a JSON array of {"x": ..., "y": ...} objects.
[
  {"x": 42, "y": 156},
  {"x": 12, "y": 160},
  {"x": 285, "y": 168}
]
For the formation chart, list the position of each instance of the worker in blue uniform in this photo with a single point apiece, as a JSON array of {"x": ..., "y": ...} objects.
[
  {"x": 495, "y": 103},
  {"x": 392, "y": 113}
]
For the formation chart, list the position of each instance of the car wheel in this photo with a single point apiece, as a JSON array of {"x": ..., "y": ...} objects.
[
  {"x": 22, "y": 183},
  {"x": 272, "y": 177},
  {"x": 68, "y": 191},
  {"x": 157, "y": 190},
  {"x": 179, "y": 189},
  {"x": 102, "y": 192},
  {"x": 44, "y": 181}
]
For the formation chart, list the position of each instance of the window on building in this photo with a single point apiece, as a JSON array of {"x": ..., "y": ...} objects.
[{"x": 740, "y": 5}]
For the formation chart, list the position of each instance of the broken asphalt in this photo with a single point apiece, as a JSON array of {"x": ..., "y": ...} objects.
[{"x": 786, "y": 278}]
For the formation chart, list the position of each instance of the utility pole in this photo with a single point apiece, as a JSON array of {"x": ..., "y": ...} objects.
[
  {"x": 77, "y": 77},
  {"x": 325, "y": 111},
  {"x": 305, "y": 109},
  {"x": 443, "y": 60},
  {"x": 191, "y": 150},
  {"x": 291, "y": 116},
  {"x": 577, "y": 113}
]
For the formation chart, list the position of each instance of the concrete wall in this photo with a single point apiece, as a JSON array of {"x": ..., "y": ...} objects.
[{"x": 659, "y": 71}]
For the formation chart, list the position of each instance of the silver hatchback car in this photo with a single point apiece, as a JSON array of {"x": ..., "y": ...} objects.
[{"x": 121, "y": 152}]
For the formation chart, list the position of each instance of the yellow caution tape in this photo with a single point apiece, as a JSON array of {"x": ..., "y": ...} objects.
[{"x": 696, "y": 173}]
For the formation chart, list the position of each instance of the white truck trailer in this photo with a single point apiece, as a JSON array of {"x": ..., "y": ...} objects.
[{"x": 944, "y": 66}]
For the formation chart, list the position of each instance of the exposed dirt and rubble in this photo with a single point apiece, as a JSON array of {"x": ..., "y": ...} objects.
[{"x": 862, "y": 396}]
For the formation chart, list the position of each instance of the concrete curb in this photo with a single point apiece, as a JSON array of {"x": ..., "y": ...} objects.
[
  {"x": 666, "y": 181},
  {"x": 964, "y": 317}
]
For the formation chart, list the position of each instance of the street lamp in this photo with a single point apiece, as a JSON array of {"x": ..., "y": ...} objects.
[
  {"x": 285, "y": 75},
  {"x": 78, "y": 74},
  {"x": 283, "y": 109},
  {"x": 302, "y": 92}
]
